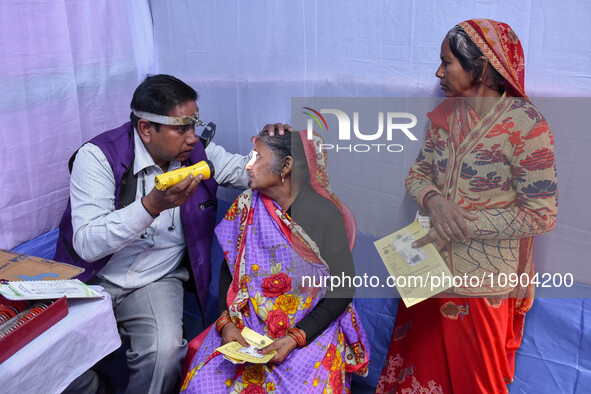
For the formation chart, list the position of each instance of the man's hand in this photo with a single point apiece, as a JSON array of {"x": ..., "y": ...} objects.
[
  {"x": 283, "y": 346},
  {"x": 231, "y": 333},
  {"x": 449, "y": 219},
  {"x": 277, "y": 127},
  {"x": 157, "y": 200}
]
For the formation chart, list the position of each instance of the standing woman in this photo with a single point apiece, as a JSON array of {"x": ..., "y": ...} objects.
[{"x": 486, "y": 176}]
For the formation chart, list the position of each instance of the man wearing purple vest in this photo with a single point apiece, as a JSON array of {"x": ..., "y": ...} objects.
[{"x": 131, "y": 237}]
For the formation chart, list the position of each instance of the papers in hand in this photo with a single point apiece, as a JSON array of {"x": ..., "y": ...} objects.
[
  {"x": 47, "y": 290},
  {"x": 238, "y": 354},
  {"x": 412, "y": 268}
]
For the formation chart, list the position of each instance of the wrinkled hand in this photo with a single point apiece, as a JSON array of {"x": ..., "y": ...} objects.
[
  {"x": 157, "y": 200},
  {"x": 449, "y": 219},
  {"x": 277, "y": 127},
  {"x": 283, "y": 346},
  {"x": 231, "y": 333},
  {"x": 431, "y": 237}
]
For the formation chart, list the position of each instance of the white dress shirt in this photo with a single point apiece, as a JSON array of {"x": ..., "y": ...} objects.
[{"x": 144, "y": 249}]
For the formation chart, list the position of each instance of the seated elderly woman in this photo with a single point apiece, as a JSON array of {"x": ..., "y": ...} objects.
[{"x": 288, "y": 226}]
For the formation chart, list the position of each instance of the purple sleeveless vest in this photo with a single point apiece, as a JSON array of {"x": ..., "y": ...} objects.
[{"x": 198, "y": 214}]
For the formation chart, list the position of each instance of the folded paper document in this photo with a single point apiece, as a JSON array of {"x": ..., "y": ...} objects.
[
  {"x": 239, "y": 354},
  {"x": 410, "y": 268}
]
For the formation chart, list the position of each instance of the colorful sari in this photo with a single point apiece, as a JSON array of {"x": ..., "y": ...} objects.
[
  {"x": 493, "y": 166},
  {"x": 269, "y": 254}
]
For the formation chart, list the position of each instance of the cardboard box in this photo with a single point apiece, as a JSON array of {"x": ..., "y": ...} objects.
[{"x": 19, "y": 266}]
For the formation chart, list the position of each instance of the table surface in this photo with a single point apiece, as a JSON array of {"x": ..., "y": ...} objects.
[{"x": 50, "y": 362}]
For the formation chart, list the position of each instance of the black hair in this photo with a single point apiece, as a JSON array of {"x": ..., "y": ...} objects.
[
  {"x": 468, "y": 54},
  {"x": 159, "y": 94},
  {"x": 288, "y": 144}
]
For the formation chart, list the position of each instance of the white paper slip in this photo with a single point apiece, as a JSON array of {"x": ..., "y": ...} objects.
[
  {"x": 403, "y": 246},
  {"x": 252, "y": 351},
  {"x": 47, "y": 289}
]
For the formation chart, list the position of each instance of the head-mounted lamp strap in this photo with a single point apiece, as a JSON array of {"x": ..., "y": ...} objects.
[{"x": 170, "y": 120}]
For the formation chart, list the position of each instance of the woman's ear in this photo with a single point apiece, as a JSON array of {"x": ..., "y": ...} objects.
[
  {"x": 144, "y": 130},
  {"x": 484, "y": 73},
  {"x": 287, "y": 165}
]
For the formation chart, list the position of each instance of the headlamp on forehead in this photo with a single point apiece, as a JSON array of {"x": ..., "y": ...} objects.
[
  {"x": 206, "y": 136},
  {"x": 170, "y": 120}
]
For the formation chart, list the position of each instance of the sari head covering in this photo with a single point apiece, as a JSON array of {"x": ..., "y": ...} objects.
[
  {"x": 316, "y": 159},
  {"x": 502, "y": 48}
]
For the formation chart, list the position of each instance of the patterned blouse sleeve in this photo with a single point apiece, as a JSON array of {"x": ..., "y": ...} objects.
[
  {"x": 534, "y": 180},
  {"x": 420, "y": 179}
]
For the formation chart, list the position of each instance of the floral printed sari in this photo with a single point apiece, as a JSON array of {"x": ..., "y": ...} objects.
[{"x": 269, "y": 255}]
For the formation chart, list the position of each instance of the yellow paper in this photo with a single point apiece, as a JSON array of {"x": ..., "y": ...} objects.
[
  {"x": 418, "y": 273},
  {"x": 239, "y": 354}
]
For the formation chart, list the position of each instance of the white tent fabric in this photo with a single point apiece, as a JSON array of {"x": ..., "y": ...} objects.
[
  {"x": 68, "y": 71},
  {"x": 69, "y": 68},
  {"x": 248, "y": 60}
]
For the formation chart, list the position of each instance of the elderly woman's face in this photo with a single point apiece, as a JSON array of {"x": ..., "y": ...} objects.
[
  {"x": 454, "y": 80},
  {"x": 260, "y": 176}
]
